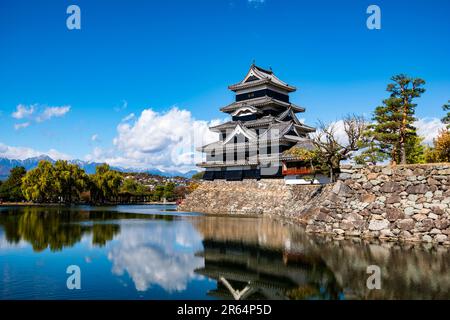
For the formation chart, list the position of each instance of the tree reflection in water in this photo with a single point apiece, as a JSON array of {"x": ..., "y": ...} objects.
[{"x": 55, "y": 228}]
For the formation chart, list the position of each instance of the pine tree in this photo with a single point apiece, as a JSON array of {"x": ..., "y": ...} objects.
[
  {"x": 371, "y": 150},
  {"x": 393, "y": 121},
  {"x": 446, "y": 119}
]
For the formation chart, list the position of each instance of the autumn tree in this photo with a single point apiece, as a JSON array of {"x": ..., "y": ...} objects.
[
  {"x": 440, "y": 152},
  {"x": 180, "y": 192},
  {"x": 331, "y": 150},
  {"x": 393, "y": 121}
]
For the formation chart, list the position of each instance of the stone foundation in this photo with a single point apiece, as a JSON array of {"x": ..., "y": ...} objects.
[
  {"x": 266, "y": 196},
  {"x": 407, "y": 203}
]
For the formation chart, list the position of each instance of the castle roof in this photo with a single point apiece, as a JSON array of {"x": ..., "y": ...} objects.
[
  {"x": 265, "y": 121},
  {"x": 286, "y": 131},
  {"x": 257, "y": 76},
  {"x": 261, "y": 102}
]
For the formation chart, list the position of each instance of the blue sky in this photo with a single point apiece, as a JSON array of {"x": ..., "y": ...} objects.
[{"x": 169, "y": 63}]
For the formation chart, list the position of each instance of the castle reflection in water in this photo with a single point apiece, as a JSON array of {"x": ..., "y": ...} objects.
[{"x": 221, "y": 257}]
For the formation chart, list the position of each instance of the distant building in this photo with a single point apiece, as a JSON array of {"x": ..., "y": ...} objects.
[{"x": 263, "y": 127}]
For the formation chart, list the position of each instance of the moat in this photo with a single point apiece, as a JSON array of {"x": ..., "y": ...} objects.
[{"x": 155, "y": 252}]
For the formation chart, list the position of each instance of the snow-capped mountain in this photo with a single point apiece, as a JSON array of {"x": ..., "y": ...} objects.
[{"x": 7, "y": 164}]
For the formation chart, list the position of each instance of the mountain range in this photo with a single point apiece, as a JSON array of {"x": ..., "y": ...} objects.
[{"x": 89, "y": 167}]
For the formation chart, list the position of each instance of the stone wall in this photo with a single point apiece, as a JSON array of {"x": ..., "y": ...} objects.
[
  {"x": 407, "y": 203},
  {"x": 410, "y": 203},
  {"x": 266, "y": 196}
]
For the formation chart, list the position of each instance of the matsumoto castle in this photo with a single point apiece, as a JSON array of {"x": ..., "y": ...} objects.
[{"x": 263, "y": 127}]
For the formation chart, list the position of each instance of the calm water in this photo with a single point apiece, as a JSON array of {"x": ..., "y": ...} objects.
[{"x": 154, "y": 252}]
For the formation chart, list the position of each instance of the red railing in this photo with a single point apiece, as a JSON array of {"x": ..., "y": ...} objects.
[{"x": 295, "y": 171}]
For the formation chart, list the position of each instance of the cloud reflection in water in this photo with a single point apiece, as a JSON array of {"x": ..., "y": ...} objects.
[{"x": 159, "y": 253}]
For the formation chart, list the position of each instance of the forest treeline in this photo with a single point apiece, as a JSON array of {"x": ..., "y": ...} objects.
[{"x": 64, "y": 182}]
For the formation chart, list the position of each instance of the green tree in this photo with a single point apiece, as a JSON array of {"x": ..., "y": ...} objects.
[
  {"x": 371, "y": 152},
  {"x": 105, "y": 184},
  {"x": 169, "y": 189},
  {"x": 70, "y": 181},
  {"x": 38, "y": 184},
  {"x": 158, "y": 193},
  {"x": 129, "y": 186},
  {"x": 393, "y": 121},
  {"x": 415, "y": 150},
  {"x": 10, "y": 190},
  {"x": 198, "y": 175},
  {"x": 446, "y": 119}
]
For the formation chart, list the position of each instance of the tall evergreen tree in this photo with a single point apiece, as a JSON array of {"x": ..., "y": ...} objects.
[
  {"x": 446, "y": 119},
  {"x": 393, "y": 121}
]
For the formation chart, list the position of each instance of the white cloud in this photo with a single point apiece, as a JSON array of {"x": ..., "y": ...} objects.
[
  {"x": 428, "y": 128},
  {"x": 51, "y": 112},
  {"x": 163, "y": 140},
  {"x": 22, "y": 153},
  {"x": 37, "y": 113},
  {"x": 95, "y": 137},
  {"x": 123, "y": 106},
  {"x": 18, "y": 126},
  {"x": 129, "y": 117},
  {"x": 339, "y": 132},
  {"x": 22, "y": 111}
]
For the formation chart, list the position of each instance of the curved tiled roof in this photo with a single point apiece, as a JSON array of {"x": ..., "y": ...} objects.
[
  {"x": 260, "y": 102},
  {"x": 263, "y": 76}
]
